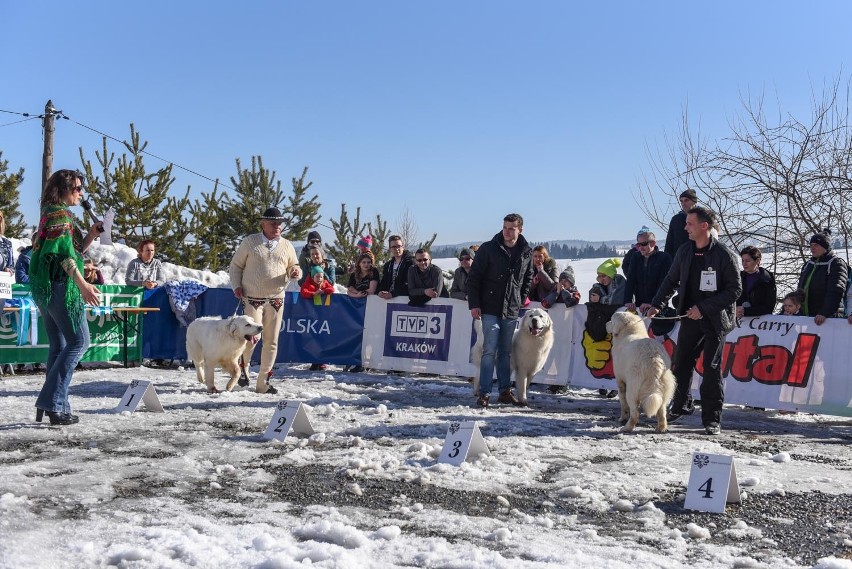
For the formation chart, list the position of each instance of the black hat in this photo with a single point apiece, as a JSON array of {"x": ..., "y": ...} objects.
[
  {"x": 465, "y": 252},
  {"x": 689, "y": 193},
  {"x": 272, "y": 214},
  {"x": 821, "y": 239},
  {"x": 314, "y": 235}
]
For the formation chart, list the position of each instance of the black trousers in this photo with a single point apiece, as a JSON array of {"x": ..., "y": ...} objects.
[{"x": 697, "y": 338}]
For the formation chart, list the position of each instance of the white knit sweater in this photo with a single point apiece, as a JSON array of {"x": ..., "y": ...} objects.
[{"x": 262, "y": 273}]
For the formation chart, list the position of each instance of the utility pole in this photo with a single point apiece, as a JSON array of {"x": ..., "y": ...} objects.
[{"x": 47, "y": 156}]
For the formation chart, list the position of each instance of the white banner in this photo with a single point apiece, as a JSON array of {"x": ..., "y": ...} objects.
[{"x": 778, "y": 362}]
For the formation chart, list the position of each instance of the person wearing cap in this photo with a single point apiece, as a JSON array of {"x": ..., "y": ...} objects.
[
  {"x": 823, "y": 280},
  {"x": 633, "y": 252},
  {"x": 706, "y": 275},
  {"x": 646, "y": 273},
  {"x": 262, "y": 266},
  {"x": 565, "y": 290},
  {"x": 316, "y": 284},
  {"x": 458, "y": 290},
  {"x": 677, "y": 234},
  {"x": 612, "y": 284},
  {"x": 305, "y": 262}
]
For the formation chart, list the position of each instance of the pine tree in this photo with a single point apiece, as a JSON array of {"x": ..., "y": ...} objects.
[
  {"x": 255, "y": 191},
  {"x": 141, "y": 201},
  {"x": 346, "y": 234},
  {"x": 10, "y": 200},
  {"x": 205, "y": 244}
]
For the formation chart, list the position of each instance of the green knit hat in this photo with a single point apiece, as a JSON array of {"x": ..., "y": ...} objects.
[{"x": 609, "y": 267}]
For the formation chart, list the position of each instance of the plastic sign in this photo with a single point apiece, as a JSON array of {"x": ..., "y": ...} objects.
[
  {"x": 288, "y": 415},
  {"x": 712, "y": 483},
  {"x": 463, "y": 440},
  {"x": 6, "y": 282},
  {"x": 140, "y": 390}
]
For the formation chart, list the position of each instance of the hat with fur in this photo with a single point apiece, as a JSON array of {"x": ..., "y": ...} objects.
[
  {"x": 609, "y": 267},
  {"x": 568, "y": 273},
  {"x": 465, "y": 252},
  {"x": 272, "y": 214},
  {"x": 314, "y": 235},
  {"x": 365, "y": 243},
  {"x": 689, "y": 193},
  {"x": 822, "y": 239}
]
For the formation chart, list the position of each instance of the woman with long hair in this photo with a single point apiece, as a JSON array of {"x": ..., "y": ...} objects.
[{"x": 60, "y": 291}]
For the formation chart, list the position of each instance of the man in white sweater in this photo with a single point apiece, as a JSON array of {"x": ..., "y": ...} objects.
[{"x": 261, "y": 268}]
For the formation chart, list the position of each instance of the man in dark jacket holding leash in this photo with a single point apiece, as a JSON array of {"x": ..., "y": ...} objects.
[
  {"x": 497, "y": 285},
  {"x": 707, "y": 279}
]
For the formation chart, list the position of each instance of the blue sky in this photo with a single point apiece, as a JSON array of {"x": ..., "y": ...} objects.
[{"x": 458, "y": 112}]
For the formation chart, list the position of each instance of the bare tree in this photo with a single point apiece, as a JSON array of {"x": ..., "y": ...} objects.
[
  {"x": 407, "y": 229},
  {"x": 773, "y": 181}
]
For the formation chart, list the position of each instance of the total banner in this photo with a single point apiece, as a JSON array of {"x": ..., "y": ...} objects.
[
  {"x": 23, "y": 338},
  {"x": 774, "y": 361}
]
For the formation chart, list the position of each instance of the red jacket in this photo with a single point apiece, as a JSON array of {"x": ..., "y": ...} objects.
[{"x": 309, "y": 287}]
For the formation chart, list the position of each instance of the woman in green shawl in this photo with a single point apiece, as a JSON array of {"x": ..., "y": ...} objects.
[{"x": 60, "y": 291}]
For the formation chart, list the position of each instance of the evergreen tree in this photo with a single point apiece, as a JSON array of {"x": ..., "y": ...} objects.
[
  {"x": 10, "y": 199},
  {"x": 140, "y": 199},
  {"x": 256, "y": 190},
  {"x": 379, "y": 230},
  {"x": 346, "y": 234},
  {"x": 205, "y": 245}
]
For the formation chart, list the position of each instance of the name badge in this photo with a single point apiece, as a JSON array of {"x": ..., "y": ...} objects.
[{"x": 708, "y": 280}]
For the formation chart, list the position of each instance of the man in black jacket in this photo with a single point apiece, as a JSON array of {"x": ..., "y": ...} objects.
[
  {"x": 498, "y": 283},
  {"x": 395, "y": 272},
  {"x": 707, "y": 279},
  {"x": 823, "y": 280},
  {"x": 677, "y": 235}
]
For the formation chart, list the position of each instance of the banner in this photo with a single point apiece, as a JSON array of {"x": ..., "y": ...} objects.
[
  {"x": 325, "y": 329},
  {"x": 105, "y": 329}
]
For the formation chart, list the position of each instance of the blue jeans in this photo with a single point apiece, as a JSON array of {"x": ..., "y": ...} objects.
[
  {"x": 67, "y": 346},
  {"x": 497, "y": 334}
]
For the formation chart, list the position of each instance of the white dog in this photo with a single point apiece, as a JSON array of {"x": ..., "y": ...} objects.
[
  {"x": 212, "y": 341},
  {"x": 530, "y": 347},
  {"x": 642, "y": 371}
]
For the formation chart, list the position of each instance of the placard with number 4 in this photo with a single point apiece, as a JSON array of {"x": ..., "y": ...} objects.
[
  {"x": 712, "y": 483},
  {"x": 140, "y": 390}
]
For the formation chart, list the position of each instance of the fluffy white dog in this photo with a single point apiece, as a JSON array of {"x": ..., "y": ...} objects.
[
  {"x": 642, "y": 371},
  {"x": 530, "y": 347},
  {"x": 212, "y": 341}
]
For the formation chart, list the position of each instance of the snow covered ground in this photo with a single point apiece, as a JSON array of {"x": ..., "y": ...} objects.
[{"x": 198, "y": 486}]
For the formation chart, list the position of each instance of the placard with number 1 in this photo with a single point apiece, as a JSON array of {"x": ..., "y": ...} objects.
[{"x": 140, "y": 390}]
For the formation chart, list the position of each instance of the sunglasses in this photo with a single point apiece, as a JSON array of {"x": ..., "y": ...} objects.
[
  {"x": 422, "y": 260},
  {"x": 643, "y": 243},
  {"x": 314, "y": 241}
]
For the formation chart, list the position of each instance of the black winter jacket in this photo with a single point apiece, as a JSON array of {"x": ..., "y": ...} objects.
[
  {"x": 643, "y": 279},
  {"x": 762, "y": 295},
  {"x": 398, "y": 286},
  {"x": 717, "y": 306},
  {"x": 495, "y": 285},
  {"x": 677, "y": 234},
  {"x": 824, "y": 294}
]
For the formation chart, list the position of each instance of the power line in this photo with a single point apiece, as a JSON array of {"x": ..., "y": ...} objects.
[
  {"x": 22, "y": 114},
  {"x": 20, "y": 121}
]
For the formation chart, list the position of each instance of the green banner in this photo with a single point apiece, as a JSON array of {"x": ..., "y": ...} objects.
[{"x": 23, "y": 338}]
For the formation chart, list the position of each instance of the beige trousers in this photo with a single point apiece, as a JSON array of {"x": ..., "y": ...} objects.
[{"x": 269, "y": 313}]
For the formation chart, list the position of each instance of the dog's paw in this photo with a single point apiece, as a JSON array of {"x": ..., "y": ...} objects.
[
  {"x": 626, "y": 429},
  {"x": 622, "y": 421},
  {"x": 661, "y": 429}
]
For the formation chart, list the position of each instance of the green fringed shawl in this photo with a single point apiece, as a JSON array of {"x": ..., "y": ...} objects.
[{"x": 58, "y": 239}]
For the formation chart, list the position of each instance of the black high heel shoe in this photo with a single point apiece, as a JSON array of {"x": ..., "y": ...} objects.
[{"x": 57, "y": 418}]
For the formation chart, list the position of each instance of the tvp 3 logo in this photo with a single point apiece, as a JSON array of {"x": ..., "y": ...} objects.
[{"x": 418, "y": 332}]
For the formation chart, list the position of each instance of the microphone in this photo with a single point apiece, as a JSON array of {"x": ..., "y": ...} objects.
[{"x": 87, "y": 206}]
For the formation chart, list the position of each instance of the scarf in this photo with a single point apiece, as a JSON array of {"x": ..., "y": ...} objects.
[{"x": 57, "y": 240}]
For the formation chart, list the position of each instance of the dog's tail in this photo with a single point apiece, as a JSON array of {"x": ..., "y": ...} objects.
[{"x": 663, "y": 392}]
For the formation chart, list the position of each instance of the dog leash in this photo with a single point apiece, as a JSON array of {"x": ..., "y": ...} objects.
[{"x": 681, "y": 317}]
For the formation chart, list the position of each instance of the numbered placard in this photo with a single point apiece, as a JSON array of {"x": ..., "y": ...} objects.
[
  {"x": 463, "y": 440},
  {"x": 712, "y": 483},
  {"x": 140, "y": 391},
  {"x": 289, "y": 415}
]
